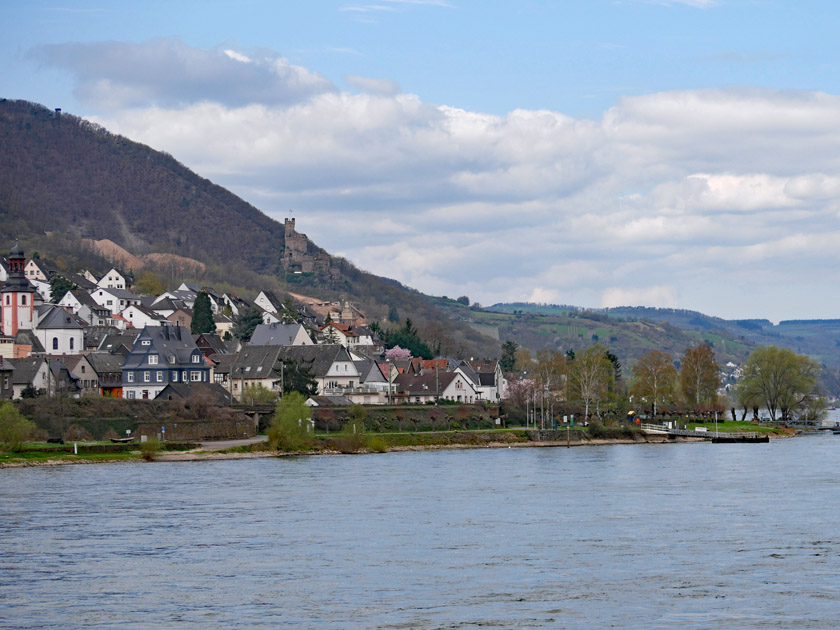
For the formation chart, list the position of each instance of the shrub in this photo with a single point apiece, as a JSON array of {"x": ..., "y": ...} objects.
[
  {"x": 377, "y": 444},
  {"x": 149, "y": 449},
  {"x": 75, "y": 433},
  {"x": 14, "y": 428},
  {"x": 290, "y": 427}
]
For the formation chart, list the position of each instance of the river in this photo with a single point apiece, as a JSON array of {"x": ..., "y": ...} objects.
[{"x": 638, "y": 536}]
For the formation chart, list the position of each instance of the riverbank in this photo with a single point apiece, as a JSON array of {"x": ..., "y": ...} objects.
[{"x": 231, "y": 454}]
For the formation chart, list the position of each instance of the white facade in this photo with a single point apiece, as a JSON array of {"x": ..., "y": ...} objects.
[
  {"x": 61, "y": 340},
  {"x": 114, "y": 302},
  {"x": 112, "y": 280}
]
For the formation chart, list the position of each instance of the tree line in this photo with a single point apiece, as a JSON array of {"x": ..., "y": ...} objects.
[{"x": 591, "y": 383}]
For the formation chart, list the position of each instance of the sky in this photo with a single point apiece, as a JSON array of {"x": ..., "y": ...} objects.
[{"x": 667, "y": 153}]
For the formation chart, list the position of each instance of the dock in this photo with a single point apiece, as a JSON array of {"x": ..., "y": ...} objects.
[{"x": 716, "y": 437}]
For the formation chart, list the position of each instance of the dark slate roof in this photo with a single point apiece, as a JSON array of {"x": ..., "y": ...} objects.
[
  {"x": 486, "y": 379},
  {"x": 113, "y": 342},
  {"x": 79, "y": 280},
  {"x": 255, "y": 362},
  {"x": 274, "y": 301},
  {"x": 28, "y": 338},
  {"x": 168, "y": 342},
  {"x": 84, "y": 298},
  {"x": 105, "y": 362},
  {"x": 424, "y": 384},
  {"x": 25, "y": 369},
  {"x": 212, "y": 341},
  {"x": 182, "y": 391},
  {"x": 58, "y": 318},
  {"x": 275, "y": 334},
  {"x": 321, "y": 356},
  {"x": 369, "y": 371},
  {"x": 120, "y": 294},
  {"x": 166, "y": 304}
]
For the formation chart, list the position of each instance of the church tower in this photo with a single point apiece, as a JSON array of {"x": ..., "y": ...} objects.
[{"x": 17, "y": 296}]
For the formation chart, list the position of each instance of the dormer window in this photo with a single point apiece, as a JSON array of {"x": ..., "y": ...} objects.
[
  {"x": 196, "y": 358},
  {"x": 153, "y": 359}
]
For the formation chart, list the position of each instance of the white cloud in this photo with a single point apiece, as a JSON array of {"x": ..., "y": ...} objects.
[
  {"x": 384, "y": 87},
  {"x": 168, "y": 72},
  {"x": 669, "y": 199}
]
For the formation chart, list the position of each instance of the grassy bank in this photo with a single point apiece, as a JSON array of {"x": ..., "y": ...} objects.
[{"x": 42, "y": 452}]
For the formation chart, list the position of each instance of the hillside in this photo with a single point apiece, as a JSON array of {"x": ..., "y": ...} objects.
[
  {"x": 64, "y": 180},
  {"x": 571, "y": 328}
]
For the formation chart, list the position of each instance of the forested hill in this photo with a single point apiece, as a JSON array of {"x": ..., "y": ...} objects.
[
  {"x": 67, "y": 177},
  {"x": 818, "y": 338},
  {"x": 59, "y": 172}
]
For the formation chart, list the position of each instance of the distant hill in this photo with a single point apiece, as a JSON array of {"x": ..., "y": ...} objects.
[{"x": 818, "y": 338}]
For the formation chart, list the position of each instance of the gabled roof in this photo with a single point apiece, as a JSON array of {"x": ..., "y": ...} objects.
[
  {"x": 256, "y": 362},
  {"x": 79, "y": 280},
  {"x": 113, "y": 342},
  {"x": 146, "y": 311},
  {"x": 25, "y": 369},
  {"x": 105, "y": 362},
  {"x": 83, "y": 298},
  {"x": 276, "y": 334},
  {"x": 57, "y": 318},
  {"x": 275, "y": 302},
  {"x": 28, "y": 338},
  {"x": 182, "y": 391},
  {"x": 165, "y": 304},
  {"x": 212, "y": 341},
  {"x": 321, "y": 356},
  {"x": 120, "y": 294},
  {"x": 427, "y": 384},
  {"x": 173, "y": 344},
  {"x": 370, "y": 372}
]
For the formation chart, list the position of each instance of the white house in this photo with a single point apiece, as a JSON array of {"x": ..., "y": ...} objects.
[
  {"x": 139, "y": 316},
  {"x": 112, "y": 280},
  {"x": 117, "y": 300}
]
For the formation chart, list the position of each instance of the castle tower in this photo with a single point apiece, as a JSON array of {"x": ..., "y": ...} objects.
[{"x": 17, "y": 296}]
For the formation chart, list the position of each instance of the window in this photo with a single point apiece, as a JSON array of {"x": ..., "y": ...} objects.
[
  {"x": 72, "y": 341},
  {"x": 130, "y": 395},
  {"x": 184, "y": 376},
  {"x": 153, "y": 359},
  {"x": 146, "y": 377},
  {"x": 159, "y": 376},
  {"x": 195, "y": 376},
  {"x": 174, "y": 377},
  {"x": 83, "y": 367},
  {"x": 9, "y": 300},
  {"x": 23, "y": 299},
  {"x": 196, "y": 358},
  {"x": 129, "y": 377},
  {"x": 145, "y": 342},
  {"x": 55, "y": 343}
]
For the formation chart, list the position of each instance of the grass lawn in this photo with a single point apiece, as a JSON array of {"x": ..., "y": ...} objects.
[{"x": 738, "y": 427}]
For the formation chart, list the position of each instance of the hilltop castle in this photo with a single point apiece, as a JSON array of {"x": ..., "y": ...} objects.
[{"x": 297, "y": 256}]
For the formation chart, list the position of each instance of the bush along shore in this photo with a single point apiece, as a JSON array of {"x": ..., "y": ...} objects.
[{"x": 88, "y": 434}]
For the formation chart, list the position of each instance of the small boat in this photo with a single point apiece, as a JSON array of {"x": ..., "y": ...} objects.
[{"x": 124, "y": 440}]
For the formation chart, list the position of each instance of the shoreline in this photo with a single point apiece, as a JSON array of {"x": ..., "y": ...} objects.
[{"x": 201, "y": 455}]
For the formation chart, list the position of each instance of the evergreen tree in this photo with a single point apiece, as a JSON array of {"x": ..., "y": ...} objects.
[
  {"x": 202, "y": 321},
  {"x": 247, "y": 321},
  {"x": 508, "y": 359},
  {"x": 296, "y": 376},
  {"x": 59, "y": 286}
]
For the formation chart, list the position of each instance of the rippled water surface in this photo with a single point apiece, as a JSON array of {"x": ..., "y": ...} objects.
[{"x": 645, "y": 536}]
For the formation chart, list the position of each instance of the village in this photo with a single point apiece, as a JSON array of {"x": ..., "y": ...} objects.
[{"x": 102, "y": 339}]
